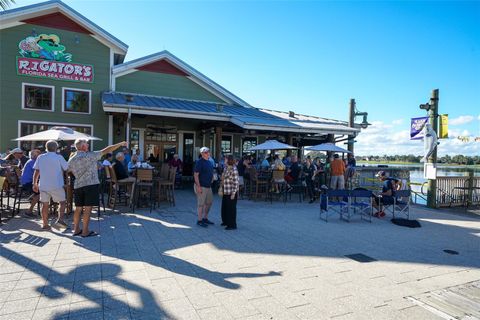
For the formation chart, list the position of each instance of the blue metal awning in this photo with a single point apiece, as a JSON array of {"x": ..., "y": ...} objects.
[{"x": 246, "y": 118}]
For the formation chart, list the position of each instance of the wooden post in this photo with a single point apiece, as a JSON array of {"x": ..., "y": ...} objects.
[
  {"x": 432, "y": 183},
  {"x": 289, "y": 141},
  {"x": 218, "y": 143},
  {"x": 470, "y": 188},
  {"x": 351, "y": 119}
]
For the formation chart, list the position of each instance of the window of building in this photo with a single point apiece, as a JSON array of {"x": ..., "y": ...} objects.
[
  {"x": 134, "y": 140},
  {"x": 76, "y": 100},
  {"x": 27, "y": 128},
  {"x": 226, "y": 144},
  {"x": 158, "y": 136},
  {"x": 38, "y": 97},
  {"x": 248, "y": 142}
]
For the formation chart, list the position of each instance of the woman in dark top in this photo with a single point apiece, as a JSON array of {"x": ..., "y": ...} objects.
[{"x": 309, "y": 171}]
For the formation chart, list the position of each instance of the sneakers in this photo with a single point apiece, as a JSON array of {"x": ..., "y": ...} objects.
[
  {"x": 202, "y": 224},
  {"x": 207, "y": 221},
  {"x": 379, "y": 214}
]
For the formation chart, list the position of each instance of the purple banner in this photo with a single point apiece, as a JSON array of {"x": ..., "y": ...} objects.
[{"x": 416, "y": 127}]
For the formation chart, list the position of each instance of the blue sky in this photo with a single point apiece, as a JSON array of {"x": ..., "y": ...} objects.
[{"x": 313, "y": 56}]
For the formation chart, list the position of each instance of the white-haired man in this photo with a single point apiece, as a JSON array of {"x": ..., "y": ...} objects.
[
  {"x": 83, "y": 166},
  {"x": 49, "y": 181}
]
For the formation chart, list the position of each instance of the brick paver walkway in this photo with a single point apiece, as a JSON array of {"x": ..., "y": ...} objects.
[{"x": 282, "y": 263}]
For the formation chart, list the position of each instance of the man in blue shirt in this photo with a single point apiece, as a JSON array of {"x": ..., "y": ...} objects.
[
  {"x": 203, "y": 175},
  {"x": 27, "y": 180},
  {"x": 386, "y": 196}
]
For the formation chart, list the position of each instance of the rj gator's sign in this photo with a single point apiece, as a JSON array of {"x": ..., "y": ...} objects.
[{"x": 44, "y": 56}]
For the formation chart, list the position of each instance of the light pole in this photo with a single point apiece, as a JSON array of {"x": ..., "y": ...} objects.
[{"x": 353, "y": 113}]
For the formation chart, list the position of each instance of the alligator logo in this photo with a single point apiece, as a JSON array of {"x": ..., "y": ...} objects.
[{"x": 44, "y": 46}]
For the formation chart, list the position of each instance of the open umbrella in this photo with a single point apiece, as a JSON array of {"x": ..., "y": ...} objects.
[
  {"x": 57, "y": 133},
  {"x": 327, "y": 147},
  {"x": 272, "y": 145}
]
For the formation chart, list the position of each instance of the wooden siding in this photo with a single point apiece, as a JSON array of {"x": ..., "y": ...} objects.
[
  {"x": 161, "y": 84},
  {"x": 57, "y": 21},
  {"x": 86, "y": 51}
]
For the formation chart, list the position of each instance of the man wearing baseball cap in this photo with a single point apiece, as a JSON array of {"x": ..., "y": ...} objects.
[
  {"x": 386, "y": 196},
  {"x": 203, "y": 175},
  {"x": 20, "y": 157}
]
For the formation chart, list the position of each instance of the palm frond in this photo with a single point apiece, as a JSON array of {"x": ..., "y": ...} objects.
[{"x": 5, "y": 4}]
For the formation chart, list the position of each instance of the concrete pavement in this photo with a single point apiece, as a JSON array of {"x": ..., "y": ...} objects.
[{"x": 281, "y": 263}]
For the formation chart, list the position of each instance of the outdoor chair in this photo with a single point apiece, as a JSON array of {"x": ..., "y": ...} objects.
[
  {"x": 115, "y": 191},
  {"x": 278, "y": 181},
  {"x": 361, "y": 202},
  {"x": 401, "y": 204},
  {"x": 144, "y": 182},
  {"x": 2, "y": 183},
  {"x": 166, "y": 188},
  {"x": 258, "y": 186},
  {"x": 20, "y": 195},
  {"x": 299, "y": 187},
  {"x": 333, "y": 202}
]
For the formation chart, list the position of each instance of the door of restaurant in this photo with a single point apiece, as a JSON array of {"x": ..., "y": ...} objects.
[
  {"x": 160, "y": 146},
  {"x": 160, "y": 151}
]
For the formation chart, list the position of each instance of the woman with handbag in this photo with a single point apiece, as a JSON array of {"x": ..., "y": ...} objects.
[{"x": 230, "y": 187}]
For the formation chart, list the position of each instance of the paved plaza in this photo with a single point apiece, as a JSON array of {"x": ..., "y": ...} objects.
[{"x": 281, "y": 263}]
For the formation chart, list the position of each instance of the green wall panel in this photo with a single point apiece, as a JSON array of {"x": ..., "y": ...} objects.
[
  {"x": 84, "y": 49},
  {"x": 161, "y": 84}
]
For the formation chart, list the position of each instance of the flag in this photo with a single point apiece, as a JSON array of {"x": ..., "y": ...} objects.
[
  {"x": 443, "y": 126},
  {"x": 416, "y": 127}
]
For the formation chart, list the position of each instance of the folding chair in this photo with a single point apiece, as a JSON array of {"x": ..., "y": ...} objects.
[
  {"x": 336, "y": 201},
  {"x": 401, "y": 204},
  {"x": 361, "y": 201}
]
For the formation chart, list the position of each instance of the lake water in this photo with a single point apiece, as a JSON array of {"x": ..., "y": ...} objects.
[{"x": 416, "y": 173}]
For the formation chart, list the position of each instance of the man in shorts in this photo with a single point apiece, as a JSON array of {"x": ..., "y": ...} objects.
[
  {"x": 84, "y": 166},
  {"x": 27, "y": 181},
  {"x": 48, "y": 179},
  {"x": 203, "y": 175}
]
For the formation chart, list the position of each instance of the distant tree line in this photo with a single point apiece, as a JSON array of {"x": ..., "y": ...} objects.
[{"x": 457, "y": 159}]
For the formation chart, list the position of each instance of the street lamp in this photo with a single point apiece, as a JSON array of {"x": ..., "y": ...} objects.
[{"x": 364, "y": 124}]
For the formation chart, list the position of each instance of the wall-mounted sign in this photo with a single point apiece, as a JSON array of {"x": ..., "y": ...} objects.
[
  {"x": 44, "y": 56},
  {"x": 416, "y": 127}
]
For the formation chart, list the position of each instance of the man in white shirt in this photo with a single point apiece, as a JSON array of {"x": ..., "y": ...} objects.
[{"x": 48, "y": 179}]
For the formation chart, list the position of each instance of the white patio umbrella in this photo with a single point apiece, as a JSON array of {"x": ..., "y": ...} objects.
[
  {"x": 327, "y": 147},
  {"x": 272, "y": 145},
  {"x": 57, "y": 133}
]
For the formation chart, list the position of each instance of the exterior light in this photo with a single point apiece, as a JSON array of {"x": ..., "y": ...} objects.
[
  {"x": 425, "y": 106},
  {"x": 364, "y": 124}
]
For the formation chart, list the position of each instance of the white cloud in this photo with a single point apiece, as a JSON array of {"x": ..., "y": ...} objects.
[
  {"x": 398, "y": 121},
  {"x": 382, "y": 138},
  {"x": 461, "y": 120}
]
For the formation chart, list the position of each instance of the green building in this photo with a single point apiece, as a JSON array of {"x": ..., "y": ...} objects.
[{"x": 57, "y": 68}]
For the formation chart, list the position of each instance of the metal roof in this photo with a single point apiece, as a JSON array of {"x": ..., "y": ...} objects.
[{"x": 247, "y": 118}]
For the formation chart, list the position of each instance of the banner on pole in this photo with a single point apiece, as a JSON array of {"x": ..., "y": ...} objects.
[
  {"x": 443, "y": 126},
  {"x": 416, "y": 128}
]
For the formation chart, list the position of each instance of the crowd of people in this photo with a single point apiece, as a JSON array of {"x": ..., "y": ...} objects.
[{"x": 43, "y": 177}]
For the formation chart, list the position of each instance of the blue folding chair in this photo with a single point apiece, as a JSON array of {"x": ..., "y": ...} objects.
[
  {"x": 361, "y": 201},
  {"x": 401, "y": 203},
  {"x": 334, "y": 201}
]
